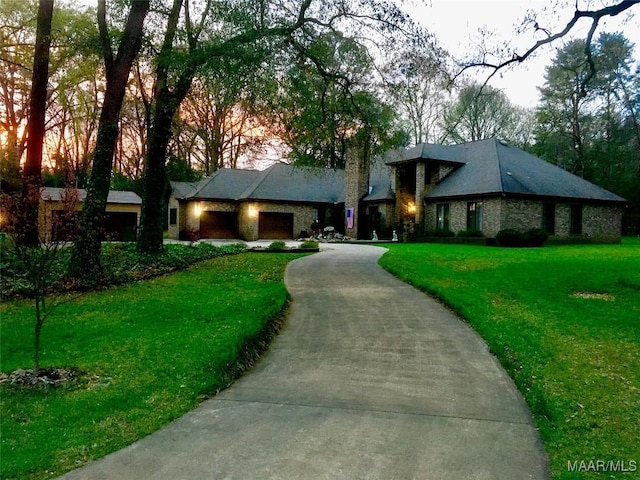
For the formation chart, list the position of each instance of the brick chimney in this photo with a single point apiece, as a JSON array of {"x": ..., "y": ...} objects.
[{"x": 356, "y": 184}]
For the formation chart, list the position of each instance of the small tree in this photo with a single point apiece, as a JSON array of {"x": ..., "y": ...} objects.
[{"x": 37, "y": 263}]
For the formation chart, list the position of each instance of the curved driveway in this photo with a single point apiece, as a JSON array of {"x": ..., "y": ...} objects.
[{"x": 370, "y": 379}]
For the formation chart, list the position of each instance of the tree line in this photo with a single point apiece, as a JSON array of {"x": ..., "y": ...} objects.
[{"x": 141, "y": 92}]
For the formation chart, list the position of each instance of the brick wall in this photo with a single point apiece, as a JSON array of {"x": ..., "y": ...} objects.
[
  {"x": 356, "y": 184},
  {"x": 599, "y": 222},
  {"x": 491, "y": 215}
]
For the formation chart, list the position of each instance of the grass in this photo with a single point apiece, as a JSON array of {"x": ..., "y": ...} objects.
[
  {"x": 565, "y": 323},
  {"x": 149, "y": 352}
]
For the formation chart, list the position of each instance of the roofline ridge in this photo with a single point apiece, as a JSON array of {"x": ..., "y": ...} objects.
[
  {"x": 197, "y": 188},
  {"x": 499, "y": 159},
  {"x": 253, "y": 186}
]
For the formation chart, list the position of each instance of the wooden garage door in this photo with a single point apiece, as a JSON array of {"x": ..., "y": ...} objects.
[
  {"x": 218, "y": 225},
  {"x": 275, "y": 225}
]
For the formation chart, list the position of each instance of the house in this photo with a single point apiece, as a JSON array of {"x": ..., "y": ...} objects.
[
  {"x": 490, "y": 186},
  {"x": 484, "y": 186},
  {"x": 280, "y": 202},
  {"x": 121, "y": 220}
]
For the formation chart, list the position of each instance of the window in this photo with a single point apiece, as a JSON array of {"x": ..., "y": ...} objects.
[
  {"x": 549, "y": 218},
  {"x": 474, "y": 216},
  {"x": 442, "y": 216},
  {"x": 576, "y": 220},
  {"x": 173, "y": 216}
]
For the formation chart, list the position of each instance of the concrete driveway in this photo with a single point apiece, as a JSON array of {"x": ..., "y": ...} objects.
[{"x": 370, "y": 379}]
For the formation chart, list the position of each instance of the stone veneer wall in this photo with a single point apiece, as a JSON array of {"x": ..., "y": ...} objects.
[
  {"x": 491, "y": 215},
  {"x": 193, "y": 218},
  {"x": 356, "y": 184},
  {"x": 181, "y": 221},
  {"x": 249, "y": 217},
  {"x": 523, "y": 215},
  {"x": 599, "y": 222}
]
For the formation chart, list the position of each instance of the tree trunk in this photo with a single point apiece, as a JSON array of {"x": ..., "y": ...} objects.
[
  {"x": 40, "y": 316},
  {"x": 165, "y": 104},
  {"x": 86, "y": 258},
  {"x": 36, "y": 127},
  {"x": 154, "y": 179}
]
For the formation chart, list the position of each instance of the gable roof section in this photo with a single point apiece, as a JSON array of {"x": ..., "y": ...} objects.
[
  {"x": 380, "y": 180},
  {"x": 493, "y": 167},
  {"x": 224, "y": 184},
  {"x": 55, "y": 194},
  {"x": 287, "y": 183},
  {"x": 452, "y": 154},
  {"x": 278, "y": 183},
  {"x": 182, "y": 190}
]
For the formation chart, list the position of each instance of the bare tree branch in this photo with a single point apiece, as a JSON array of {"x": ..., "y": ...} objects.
[{"x": 594, "y": 15}]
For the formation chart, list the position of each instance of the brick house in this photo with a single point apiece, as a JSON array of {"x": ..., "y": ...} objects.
[
  {"x": 485, "y": 185},
  {"x": 489, "y": 186}
]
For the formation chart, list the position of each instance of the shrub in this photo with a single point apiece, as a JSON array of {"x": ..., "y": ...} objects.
[
  {"x": 309, "y": 244},
  {"x": 470, "y": 234},
  {"x": 440, "y": 232},
  {"x": 277, "y": 245},
  {"x": 509, "y": 237}
]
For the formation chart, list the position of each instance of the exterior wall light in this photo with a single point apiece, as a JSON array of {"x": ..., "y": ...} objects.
[{"x": 197, "y": 210}]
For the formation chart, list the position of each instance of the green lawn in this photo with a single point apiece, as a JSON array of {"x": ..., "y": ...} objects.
[
  {"x": 565, "y": 323},
  {"x": 150, "y": 352}
]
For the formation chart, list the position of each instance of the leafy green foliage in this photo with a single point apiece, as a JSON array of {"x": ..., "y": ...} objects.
[
  {"x": 470, "y": 234},
  {"x": 439, "y": 232},
  {"x": 514, "y": 238},
  {"x": 309, "y": 244},
  {"x": 121, "y": 263},
  {"x": 277, "y": 245},
  {"x": 563, "y": 321},
  {"x": 591, "y": 130}
]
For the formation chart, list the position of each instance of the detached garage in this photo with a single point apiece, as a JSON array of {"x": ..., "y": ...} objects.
[{"x": 275, "y": 226}]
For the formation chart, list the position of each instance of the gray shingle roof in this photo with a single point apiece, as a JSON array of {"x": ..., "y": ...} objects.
[
  {"x": 225, "y": 184},
  {"x": 115, "y": 196},
  {"x": 280, "y": 182},
  {"x": 182, "y": 190},
  {"x": 426, "y": 151},
  {"x": 379, "y": 181},
  {"x": 287, "y": 183},
  {"x": 493, "y": 167},
  {"x": 486, "y": 167}
]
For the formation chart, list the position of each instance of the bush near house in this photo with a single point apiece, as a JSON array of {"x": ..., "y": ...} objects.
[
  {"x": 277, "y": 245},
  {"x": 535, "y": 237},
  {"x": 439, "y": 233},
  {"x": 470, "y": 234}
]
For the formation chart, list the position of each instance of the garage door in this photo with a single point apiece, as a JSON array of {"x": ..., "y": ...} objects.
[
  {"x": 275, "y": 225},
  {"x": 218, "y": 225}
]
